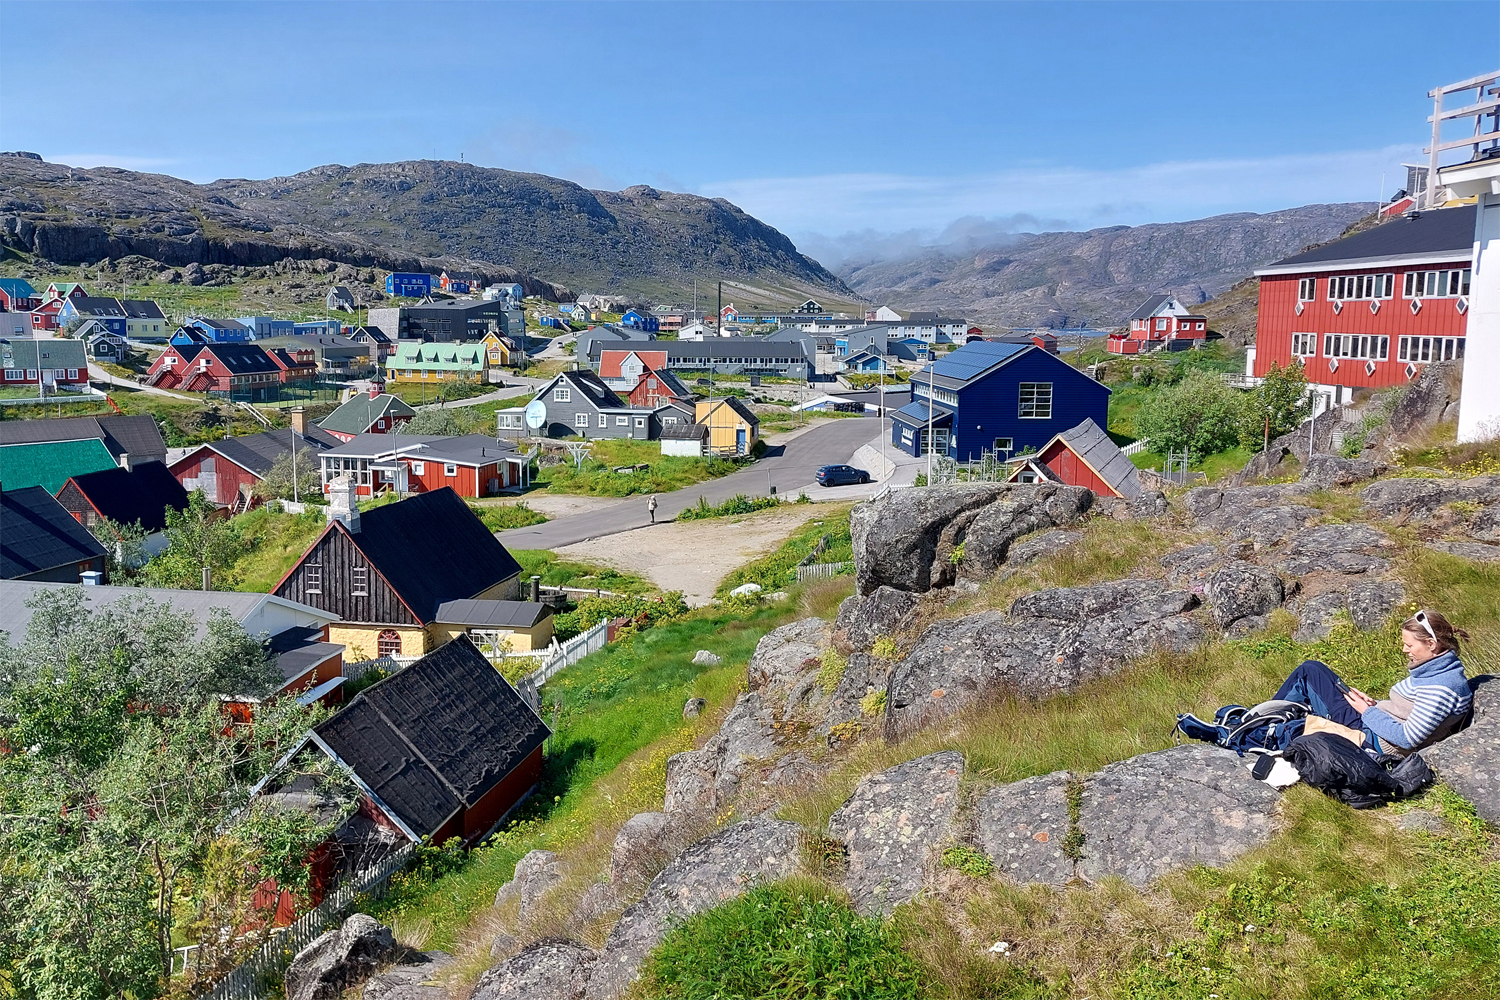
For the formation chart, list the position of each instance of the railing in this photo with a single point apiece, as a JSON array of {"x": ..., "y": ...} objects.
[
  {"x": 1239, "y": 380},
  {"x": 260, "y": 417},
  {"x": 563, "y": 655},
  {"x": 821, "y": 571},
  {"x": 885, "y": 490},
  {"x": 389, "y": 663},
  {"x": 248, "y": 980},
  {"x": 1136, "y": 447}
]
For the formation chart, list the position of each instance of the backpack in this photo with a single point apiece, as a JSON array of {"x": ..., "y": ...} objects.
[
  {"x": 1264, "y": 728},
  {"x": 1342, "y": 771}
]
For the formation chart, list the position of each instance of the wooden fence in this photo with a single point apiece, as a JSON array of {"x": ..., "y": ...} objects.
[
  {"x": 1135, "y": 447},
  {"x": 252, "y": 978}
]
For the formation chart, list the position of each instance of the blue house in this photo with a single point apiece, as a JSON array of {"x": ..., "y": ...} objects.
[
  {"x": 218, "y": 331},
  {"x": 318, "y": 328},
  {"x": 409, "y": 284},
  {"x": 1008, "y": 398},
  {"x": 868, "y": 362},
  {"x": 637, "y": 320},
  {"x": 262, "y": 327},
  {"x": 188, "y": 336}
]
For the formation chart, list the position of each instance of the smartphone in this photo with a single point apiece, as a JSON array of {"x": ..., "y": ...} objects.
[{"x": 1341, "y": 685}]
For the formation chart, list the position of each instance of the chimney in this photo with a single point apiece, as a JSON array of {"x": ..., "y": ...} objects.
[
  {"x": 90, "y": 577},
  {"x": 207, "y": 578},
  {"x": 374, "y": 391},
  {"x": 126, "y": 462},
  {"x": 299, "y": 420},
  {"x": 536, "y": 589},
  {"x": 343, "y": 502}
]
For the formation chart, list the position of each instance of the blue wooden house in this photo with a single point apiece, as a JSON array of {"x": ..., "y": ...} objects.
[
  {"x": 637, "y": 320},
  {"x": 217, "y": 331},
  {"x": 409, "y": 284},
  {"x": 1007, "y": 398},
  {"x": 318, "y": 328},
  {"x": 868, "y": 362},
  {"x": 265, "y": 327}
]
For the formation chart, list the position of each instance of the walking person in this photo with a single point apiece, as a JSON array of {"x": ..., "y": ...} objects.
[{"x": 651, "y": 508}]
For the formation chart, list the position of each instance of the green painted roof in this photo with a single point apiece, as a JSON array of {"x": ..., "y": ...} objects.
[
  {"x": 49, "y": 464},
  {"x": 438, "y": 357},
  {"x": 357, "y": 415}
]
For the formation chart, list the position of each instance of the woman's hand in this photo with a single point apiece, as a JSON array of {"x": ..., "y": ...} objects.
[{"x": 1358, "y": 700}]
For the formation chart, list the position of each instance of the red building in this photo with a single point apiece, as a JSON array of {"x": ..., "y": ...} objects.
[
  {"x": 1082, "y": 456},
  {"x": 296, "y": 365},
  {"x": 229, "y": 469},
  {"x": 44, "y": 316},
  {"x": 657, "y": 388},
  {"x": 237, "y": 368},
  {"x": 621, "y": 368},
  {"x": 472, "y": 466},
  {"x": 1368, "y": 311},
  {"x": 1159, "y": 323},
  {"x": 374, "y": 412}
]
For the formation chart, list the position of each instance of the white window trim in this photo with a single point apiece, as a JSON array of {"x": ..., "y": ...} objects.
[
  {"x": 562, "y": 394},
  {"x": 580, "y": 420},
  {"x": 450, "y": 469},
  {"x": 1021, "y": 413}
]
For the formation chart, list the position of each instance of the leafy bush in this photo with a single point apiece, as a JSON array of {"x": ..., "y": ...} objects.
[
  {"x": 513, "y": 515},
  {"x": 1276, "y": 406},
  {"x": 778, "y": 570},
  {"x": 643, "y": 612},
  {"x": 790, "y": 939},
  {"x": 1201, "y": 415},
  {"x": 737, "y": 504}
]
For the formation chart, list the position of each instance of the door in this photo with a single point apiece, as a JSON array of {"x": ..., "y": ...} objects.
[
  {"x": 739, "y": 441},
  {"x": 208, "y": 479}
]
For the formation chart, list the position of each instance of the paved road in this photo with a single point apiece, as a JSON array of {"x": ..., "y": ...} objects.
[{"x": 788, "y": 467}]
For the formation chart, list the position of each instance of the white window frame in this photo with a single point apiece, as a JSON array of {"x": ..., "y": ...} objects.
[
  {"x": 419, "y": 468},
  {"x": 622, "y": 421},
  {"x": 1005, "y": 444},
  {"x": 1161, "y": 323},
  {"x": 1372, "y": 347},
  {"x": 1361, "y": 287},
  {"x": 1304, "y": 345},
  {"x": 640, "y": 421},
  {"x": 1307, "y": 289},
  {"x": 450, "y": 469},
  {"x": 581, "y": 419},
  {"x": 359, "y": 581},
  {"x": 562, "y": 394},
  {"x": 312, "y": 578},
  {"x": 1450, "y": 283},
  {"x": 1040, "y": 403},
  {"x": 1425, "y": 350}
]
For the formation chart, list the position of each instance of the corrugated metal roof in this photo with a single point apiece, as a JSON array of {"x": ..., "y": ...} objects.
[
  {"x": 359, "y": 413},
  {"x": 1145, "y": 309},
  {"x": 915, "y": 412},
  {"x": 14, "y": 614},
  {"x": 494, "y": 614}
]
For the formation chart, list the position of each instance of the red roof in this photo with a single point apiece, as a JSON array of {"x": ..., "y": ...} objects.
[{"x": 610, "y": 361}]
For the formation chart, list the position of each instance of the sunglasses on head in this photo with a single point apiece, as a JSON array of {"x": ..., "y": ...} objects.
[{"x": 1421, "y": 619}]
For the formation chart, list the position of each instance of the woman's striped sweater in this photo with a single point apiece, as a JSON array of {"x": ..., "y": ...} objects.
[{"x": 1437, "y": 689}]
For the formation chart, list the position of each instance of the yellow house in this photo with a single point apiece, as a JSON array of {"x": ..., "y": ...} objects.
[
  {"x": 732, "y": 428},
  {"x": 498, "y": 349},
  {"x": 520, "y": 626}
]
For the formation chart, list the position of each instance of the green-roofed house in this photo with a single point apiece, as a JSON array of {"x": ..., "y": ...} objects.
[
  {"x": 50, "y": 464},
  {"x": 52, "y": 362},
  {"x": 374, "y": 412},
  {"x": 424, "y": 362}
]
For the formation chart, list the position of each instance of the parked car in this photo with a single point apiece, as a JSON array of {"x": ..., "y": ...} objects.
[{"x": 841, "y": 475}]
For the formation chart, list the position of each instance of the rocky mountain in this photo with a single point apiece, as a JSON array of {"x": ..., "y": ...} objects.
[
  {"x": 1095, "y": 278},
  {"x": 550, "y": 233}
]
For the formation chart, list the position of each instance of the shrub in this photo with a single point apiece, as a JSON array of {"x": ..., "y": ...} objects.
[
  {"x": 885, "y": 647},
  {"x": 1201, "y": 415},
  {"x": 643, "y": 612},
  {"x": 832, "y": 670},
  {"x": 737, "y": 504},
  {"x": 968, "y": 860},
  {"x": 873, "y": 703},
  {"x": 516, "y": 515},
  {"x": 1276, "y": 406}
]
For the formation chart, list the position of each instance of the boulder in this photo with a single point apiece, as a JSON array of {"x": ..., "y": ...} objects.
[
  {"x": 1477, "y": 551},
  {"x": 891, "y": 824},
  {"x": 1249, "y": 625},
  {"x": 704, "y": 658},
  {"x": 1267, "y": 526},
  {"x": 693, "y": 707},
  {"x": 1420, "y": 497},
  {"x": 710, "y": 872},
  {"x": 1021, "y": 511},
  {"x": 550, "y": 969},
  {"x": 641, "y": 849},
  {"x": 898, "y": 539},
  {"x": 1368, "y": 604},
  {"x": 1148, "y": 815},
  {"x": 418, "y": 976},
  {"x": 1486, "y": 524},
  {"x": 884, "y": 611},
  {"x": 1052, "y": 641},
  {"x": 1023, "y": 827},
  {"x": 785, "y": 654},
  {"x": 596, "y": 902},
  {"x": 1239, "y": 590},
  {"x": 1423, "y": 405},
  {"x": 863, "y": 675},
  {"x": 340, "y": 959},
  {"x": 1330, "y": 471},
  {"x": 1469, "y": 762},
  {"x": 1150, "y": 505},
  {"x": 1202, "y": 501},
  {"x": 1191, "y": 566},
  {"x": 1042, "y": 546},
  {"x": 699, "y": 781},
  {"x": 1337, "y": 548},
  {"x": 536, "y": 873}
]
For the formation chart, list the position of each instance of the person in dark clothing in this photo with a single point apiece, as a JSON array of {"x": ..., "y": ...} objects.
[{"x": 1420, "y": 704}]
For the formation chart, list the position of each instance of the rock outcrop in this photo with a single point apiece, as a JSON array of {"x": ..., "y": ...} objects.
[
  {"x": 417, "y": 976},
  {"x": 884, "y": 611},
  {"x": 1407, "y": 498},
  {"x": 784, "y": 656},
  {"x": 1469, "y": 761},
  {"x": 536, "y": 873},
  {"x": 698, "y": 781},
  {"x": 1240, "y": 590},
  {"x": 340, "y": 959},
  {"x": 904, "y": 541},
  {"x": 550, "y": 969},
  {"x": 890, "y": 825},
  {"x": 710, "y": 872},
  {"x": 1024, "y": 828}
]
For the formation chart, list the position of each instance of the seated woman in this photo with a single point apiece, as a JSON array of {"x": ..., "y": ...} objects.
[{"x": 1424, "y": 707}]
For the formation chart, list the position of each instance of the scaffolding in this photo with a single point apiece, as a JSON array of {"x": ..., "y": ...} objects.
[{"x": 1483, "y": 107}]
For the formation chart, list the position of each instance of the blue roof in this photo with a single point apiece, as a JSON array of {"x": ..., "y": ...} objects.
[
  {"x": 18, "y": 288},
  {"x": 973, "y": 359},
  {"x": 916, "y": 413}
]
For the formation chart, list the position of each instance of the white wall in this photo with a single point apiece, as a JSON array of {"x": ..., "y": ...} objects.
[{"x": 1479, "y": 406}]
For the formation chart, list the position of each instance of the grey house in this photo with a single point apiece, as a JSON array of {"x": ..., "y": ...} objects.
[
  {"x": 339, "y": 297},
  {"x": 579, "y": 403},
  {"x": 738, "y": 356},
  {"x": 596, "y": 338}
]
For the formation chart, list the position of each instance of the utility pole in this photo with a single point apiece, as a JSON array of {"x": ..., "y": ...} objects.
[{"x": 930, "y": 374}]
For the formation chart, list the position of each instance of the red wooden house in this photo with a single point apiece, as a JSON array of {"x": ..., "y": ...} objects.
[
  {"x": 374, "y": 412},
  {"x": 237, "y": 368},
  {"x": 17, "y": 295},
  {"x": 1369, "y": 310},
  {"x": 44, "y": 316},
  {"x": 622, "y": 368},
  {"x": 295, "y": 365},
  {"x": 229, "y": 469},
  {"x": 1159, "y": 323},
  {"x": 473, "y": 465},
  {"x": 658, "y": 388},
  {"x": 1082, "y": 456}
]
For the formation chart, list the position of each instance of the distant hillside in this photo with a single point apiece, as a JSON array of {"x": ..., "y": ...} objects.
[
  {"x": 1095, "y": 278},
  {"x": 552, "y": 234}
]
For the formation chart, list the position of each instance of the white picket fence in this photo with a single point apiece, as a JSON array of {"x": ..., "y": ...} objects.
[
  {"x": 249, "y": 979},
  {"x": 821, "y": 571},
  {"x": 1135, "y": 447},
  {"x": 563, "y": 655}
]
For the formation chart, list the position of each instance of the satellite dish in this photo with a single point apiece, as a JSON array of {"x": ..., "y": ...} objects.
[{"x": 536, "y": 414}]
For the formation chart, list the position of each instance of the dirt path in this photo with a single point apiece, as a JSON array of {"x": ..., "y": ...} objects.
[
  {"x": 555, "y": 505},
  {"x": 693, "y": 556}
]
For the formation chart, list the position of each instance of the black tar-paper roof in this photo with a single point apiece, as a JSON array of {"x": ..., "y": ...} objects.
[
  {"x": 140, "y": 494},
  {"x": 37, "y": 533},
  {"x": 436, "y": 736}
]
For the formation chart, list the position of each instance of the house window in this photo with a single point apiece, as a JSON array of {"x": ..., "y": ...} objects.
[
  {"x": 14, "y": 375},
  {"x": 313, "y": 575},
  {"x": 1307, "y": 289},
  {"x": 622, "y": 421},
  {"x": 419, "y": 468},
  {"x": 72, "y": 373},
  {"x": 449, "y": 469},
  {"x": 1436, "y": 284},
  {"x": 388, "y": 643},
  {"x": 562, "y": 394},
  {"x": 1304, "y": 345},
  {"x": 1005, "y": 444},
  {"x": 1353, "y": 345},
  {"x": 1036, "y": 401},
  {"x": 640, "y": 421},
  {"x": 1161, "y": 324},
  {"x": 582, "y": 419},
  {"x": 1423, "y": 349},
  {"x": 359, "y": 582},
  {"x": 1361, "y": 286},
  {"x": 669, "y": 420}
]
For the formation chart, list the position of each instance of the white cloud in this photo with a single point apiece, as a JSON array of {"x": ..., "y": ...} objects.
[
  {"x": 86, "y": 160},
  {"x": 1079, "y": 197}
]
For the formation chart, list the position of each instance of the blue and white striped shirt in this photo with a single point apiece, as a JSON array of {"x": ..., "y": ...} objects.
[{"x": 1437, "y": 689}]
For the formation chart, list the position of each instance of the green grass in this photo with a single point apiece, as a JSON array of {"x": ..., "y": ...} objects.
[
  {"x": 598, "y": 478},
  {"x": 1217, "y": 466},
  {"x": 437, "y": 391},
  {"x": 737, "y": 504},
  {"x": 556, "y": 572},
  {"x": 500, "y": 517},
  {"x": 777, "y": 570},
  {"x": 274, "y": 542}
]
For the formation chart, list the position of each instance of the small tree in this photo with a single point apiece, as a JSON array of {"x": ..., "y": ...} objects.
[
  {"x": 125, "y": 550},
  {"x": 1278, "y": 405},
  {"x": 1200, "y": 415},
  {"x": 276, "y": 484},
  {"x": 433, "y": 421},
  {"x": 197, "y": 538}
]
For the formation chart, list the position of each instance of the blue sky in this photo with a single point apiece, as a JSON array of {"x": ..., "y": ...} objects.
[{"x": 838, "y": 123}]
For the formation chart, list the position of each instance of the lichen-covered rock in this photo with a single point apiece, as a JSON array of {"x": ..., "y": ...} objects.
[
  {"x": 1052, "y": 641},
  {"x": 596, "y": 901},
  {"x": 891, "y": 824},
  {"x": 1419, "y": 497},
  {"x": 641, "y": 849},
  {"x": 1477, "y": 551},
  {"x": 418, "y": 976},
  {"x": 1023, "y": 827},
  {"x": 550, "y": 969},
  {"x": 1266, "y": 526},
  {"x": 536, "y": 873},
  {"x": 1336, "y": 548},
  {"x": 1469, "y": 762},
  {"x": 1042, "y": 546},
  {"x": 1150, "y": 505},
  {"x": 899, "y": 539},
  {"x": 1018, "y": 512},
  {"x": 1202, "y": 501},
  {"x": 340, "y": 959},
  {"x": 1368, "y": 604},
  {"x": 710, "y": 872},
  {"x": 707, "y": 658},
  {"x": 693, "y": 707},
  {"x": 1239, "y": 590},
  {"x": 863, "y": 675},
  {"x": 1486, "y": 524},
  {"x": 863, "y": 619},
  {"x": 1329, "y": 471},
  {"x": 699, "y": 781},
  {"x": 1148, "y": 815},
  {"x": 787, "y": 653},
  {"x": 1190, "y": 567}
]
